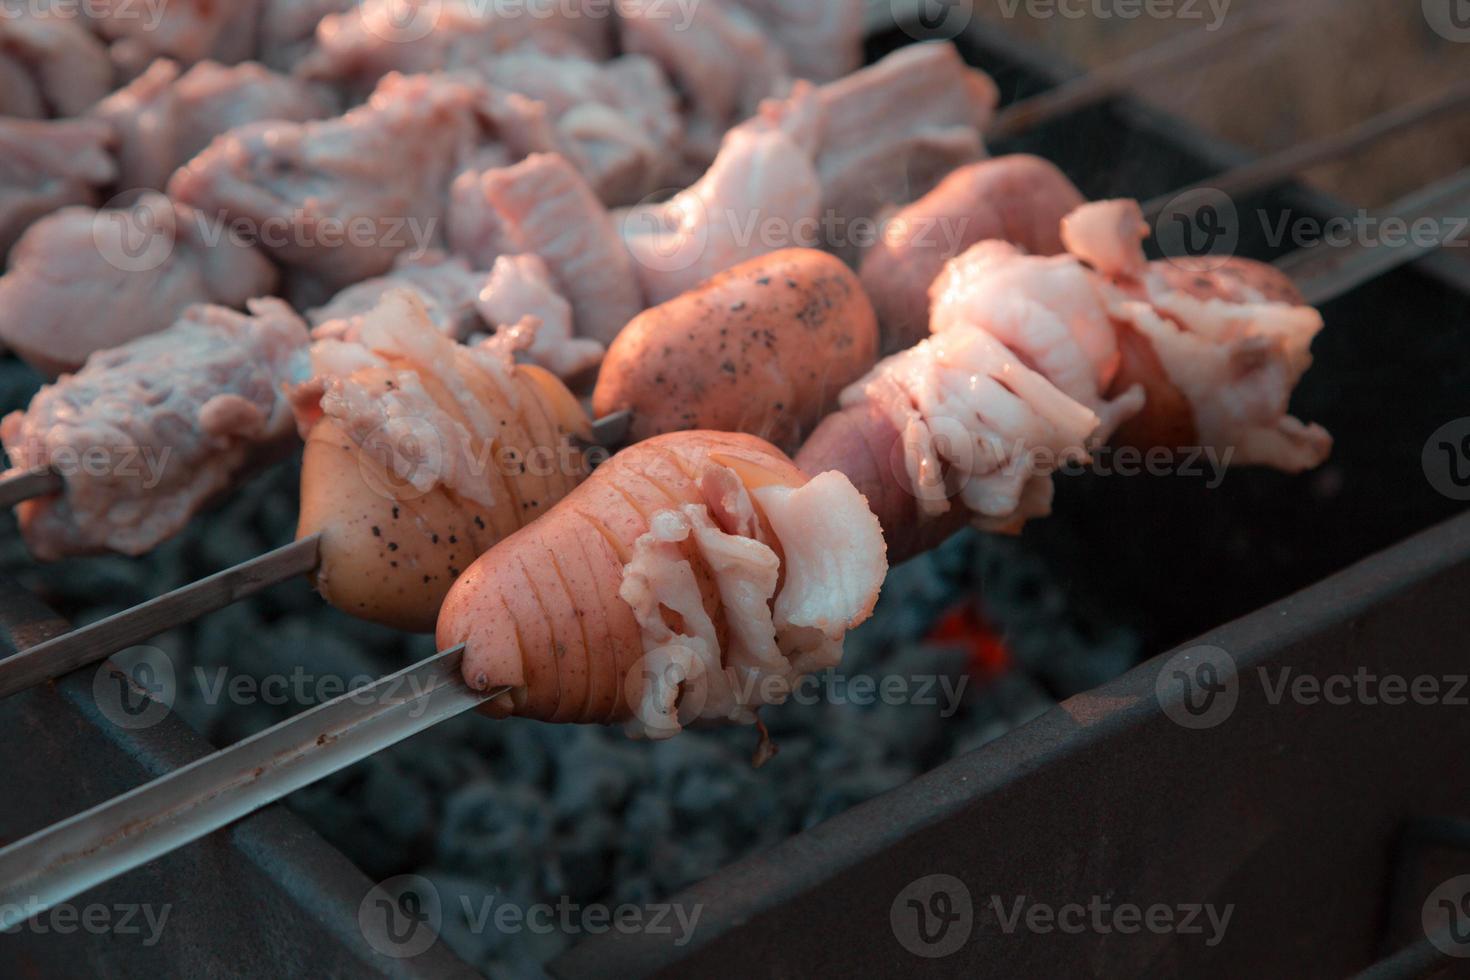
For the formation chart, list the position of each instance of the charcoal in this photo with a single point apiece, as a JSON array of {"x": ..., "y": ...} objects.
[{"x": 497, "y": 829}]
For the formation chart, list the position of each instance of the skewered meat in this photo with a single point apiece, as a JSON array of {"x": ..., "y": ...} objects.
[
  {"x": 542, "y": 206},
  {"x": 422, "y": 453},
  {"x": 1232, "y": 361},
  {"x": 1017, "y": 198},
  {"x": 521, "y": 286},
  {"x": 891, "y": 131},
  {"x": 616, "y": 121},
  {"x": 694, "y": 577},
  {"x": 446, "y": 285},
  {"x": 343, "y": 197},
  {"x": 794, "y": 175},
  {"x": 1021, "y": 375},
  {"x": 718, "y": 57},
  {"x": 1053, "y": 313},
  {"x": 187, "y": 31},
  {"x": 375, "y": 37},
  {"x": 83, "y": 280},
  {"x": 49, "y": 66},
  {"x": 460, "y": 301},
  {"x": 48, "y": 165},
  {"x": 148, "y": 432},
  {"x": 822, "y": 41},
  {"x": 163, "y": 118},
  {"x": 760, "y": 193},
  {"x": 762, "y": 348}
]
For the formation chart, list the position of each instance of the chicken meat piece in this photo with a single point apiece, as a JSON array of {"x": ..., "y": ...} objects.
[
  {"x": 46, "y": 165},
  {"x": 342, "y": 198},
  {"x": 83, "y": 280},
  {"x": 761, "y": 195},
  {"x": 1017, "y": 198},
  {"x": 446, "y": 284},
  {"x": 892, "y": 131},
  {"x": 792, "y": 175},
  {"x": 1220, "y": 352},
  {"x": 720, "y": 59},
  {"x": 543, "y": 207},
  {"x": 50, "y": 65},
  {"x": 147, "y": 433},
  {"x": 521, "y": 288},
  {"x": 372, "y": 38},
  {"x": 187, "y": 31},
  {"x": 163, "y": 118},
  {"x": 617, "y": 121},
  {"x": 461, "y": 302},
  {"x": 823, "y": 41}
]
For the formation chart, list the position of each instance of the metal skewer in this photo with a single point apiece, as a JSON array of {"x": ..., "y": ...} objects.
[
  {"x": 1323, "y": 274},
  {"x": 1187, "y": 52},
  {"x": 64, "y": 860},
  {"x": 25, "y": 486},
  {"x": 1174, "y": 54},
  {"x": 1268, "y": 171}
]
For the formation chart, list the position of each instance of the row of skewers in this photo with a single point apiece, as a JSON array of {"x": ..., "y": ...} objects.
[{"x": 701, "y": 571}]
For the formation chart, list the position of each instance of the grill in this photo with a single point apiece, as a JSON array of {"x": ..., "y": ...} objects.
[{"x": 1325, "y": 827}]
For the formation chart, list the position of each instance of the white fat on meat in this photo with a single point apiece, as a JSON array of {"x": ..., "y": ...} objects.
[
  {"x": 756, "y": 198},
  {"x": 543, "y": 206},
  {"x": 1236, "y": 363},
  {"x": 978, "y": 422},
  {"x": 447, "y": 285},
  {"x": 374, "y": 388},
  {"x": 146, "y": 433},
  {"x": 834, "y": 563},
  {"x": 521, "y": 287},
  {"x": 1051, "y": 312},
  {"x": 1108, "y": 236}
]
